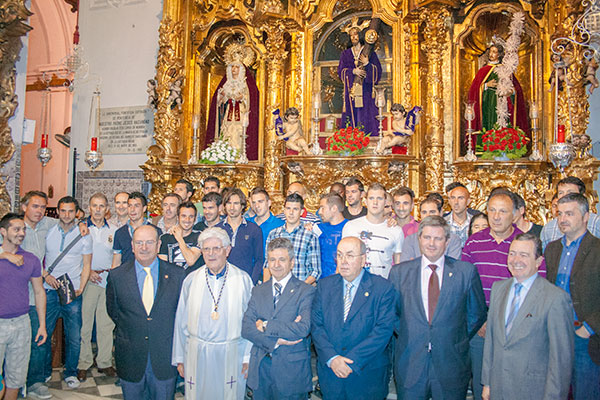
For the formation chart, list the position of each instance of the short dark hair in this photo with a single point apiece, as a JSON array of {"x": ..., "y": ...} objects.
[
  {"x": 537, "y": 243},
  {"x": 294, "y": 198},
  {"x": 437, "y": 197},
  {"x": 187, "y": 204},
  {"x": 188, "y": 186},
  {"x": 281, "y": 243},
  {"x": 503, "y": 192},
  {"x": 573, "y": 180},
  {"x": 432, "y": 200},
  {"x": 403, "y": 191},
  {"x": 213, "y": 197},
  {"x": 259, "y": 190},
  {"x": 291, "y": 111},
  {"x": 139, "y": 196},
  {"x": 33, "y": 193},
  {"x": 454, "y": 185},
  {"x": 434, "y": 221},
  {"x": 334, "y": 199},
  {"x": 398, "y": 107},
  {"x": 68, "y": 200},
  {"x": 355, "y": 181},
  {"x": 212, "y": 179},
  {"x": 519, "y": 200},
  {"x": 475, "y": 218},
  {"x": 8, "y": 218},
  {"x": 236, "y": 192},
  {"x": 582, "y": 202}
]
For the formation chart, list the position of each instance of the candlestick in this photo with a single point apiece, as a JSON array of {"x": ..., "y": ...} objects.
[{"x": 94, "y": 144}]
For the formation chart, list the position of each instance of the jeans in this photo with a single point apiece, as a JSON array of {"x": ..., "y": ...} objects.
[
  {"x": 71, "y": 315},
  {"x": 586, "y": 374},
  {"x": 35, "y": 373}
]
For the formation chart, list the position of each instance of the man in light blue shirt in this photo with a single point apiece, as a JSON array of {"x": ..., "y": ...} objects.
[{"x": 76, "y": 264}]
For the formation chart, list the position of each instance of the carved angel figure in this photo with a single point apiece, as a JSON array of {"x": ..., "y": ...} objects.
[
  {"x": 403, "y": 127},
  {"x": 292, "y": 132}
]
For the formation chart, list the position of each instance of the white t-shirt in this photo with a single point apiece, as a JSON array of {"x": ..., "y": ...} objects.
[{"x": 382, "y": 242}]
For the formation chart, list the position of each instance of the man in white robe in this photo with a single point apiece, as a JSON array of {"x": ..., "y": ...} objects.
[{"x": 208, "y": 349}]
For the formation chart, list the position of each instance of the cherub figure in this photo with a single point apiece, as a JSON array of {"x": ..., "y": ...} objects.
[
  {"x": 292, "y": 132},
  {"x": 590, "y": 74},
  {"x": 402, "y": 128},
  {"x": 175, "y": 98},
  {"x": 559, "y": 72},
  {"x": 152, "y": 95}
]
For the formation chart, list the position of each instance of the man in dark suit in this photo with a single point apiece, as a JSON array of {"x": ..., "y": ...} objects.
[
  {"x": 441, "y": 306},
  {"x": 277, "y": 322},
  {"x": 352, "y": 323},
  {"x": 141, "y": 299},
  {"x": 529, "y": 337},
  {"x": 573, "y": 264}
]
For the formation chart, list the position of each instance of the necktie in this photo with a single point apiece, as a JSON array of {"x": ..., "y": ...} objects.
[
  {"x": 514, "y": 307},
  {"x": 148, "y": 291},
  {"x": 347, "y": 300},
  {"x": 433, "y": 292},
  {"x": 277, "y": 286}
]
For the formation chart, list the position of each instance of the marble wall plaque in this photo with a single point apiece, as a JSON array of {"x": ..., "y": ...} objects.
[
  {"x": 110, "y": 183},
  {"x": 125, "y": 130}
]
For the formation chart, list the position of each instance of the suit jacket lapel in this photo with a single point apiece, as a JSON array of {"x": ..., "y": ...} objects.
[
  {"x": 526, "y": 306},
  {"x": 361, "y": 297},
  {"x": 337, "y": 300},
  {"x": 290, "y": 288},
  {"x": 504, "y": 308},
  {"x": 447, "y": 285},
  {"x": 584, "y": 249},
  {"x": 416, "y": 283},
  {"x": 132, "y": 283},
  {"x": 162, "y": 282},
  {"x": 265, "y": 299}
]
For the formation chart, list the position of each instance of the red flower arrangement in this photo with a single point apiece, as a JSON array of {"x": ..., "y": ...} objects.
[
  {"x": 348, "y": 141},
  {"x": 509, "y": 141}
]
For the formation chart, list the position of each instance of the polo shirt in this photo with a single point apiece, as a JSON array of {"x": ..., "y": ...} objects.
[
  {"x": 102, "y": 252},
  {"x": 122, "y": 243},
  {"x": 14, "y": 281},
  {"x": 410, "y": 228},
  {"x": 267, "y": 226},
  {"x": 350, "y": 217},
  {"x": 247, "y": 249},
  {"x": 35, "y": 242},
  {"x": 490, "y": 258},
  {"x": 72, "y": 263}
]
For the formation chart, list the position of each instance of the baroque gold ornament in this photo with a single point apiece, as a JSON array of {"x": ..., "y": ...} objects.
[{"x": 237, "y": 52}]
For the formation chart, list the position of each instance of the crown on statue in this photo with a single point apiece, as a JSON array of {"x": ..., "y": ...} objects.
[
  {"x": 354, "y": 25},
  {"x": 238, "y": 52}
]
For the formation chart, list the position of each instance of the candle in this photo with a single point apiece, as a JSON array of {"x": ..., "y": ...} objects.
[
  {"x": 44, "y": 140},
  {"x": 94, "y": 144},
  {"x": 195, "y": 122},
  {"x": 317, "y": 101},
  {"x": 561, "y": 134},
  {"x": 533, "y": 111}
]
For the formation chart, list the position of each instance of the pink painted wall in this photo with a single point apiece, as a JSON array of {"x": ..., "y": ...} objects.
[{"x": 49, "y": 42}]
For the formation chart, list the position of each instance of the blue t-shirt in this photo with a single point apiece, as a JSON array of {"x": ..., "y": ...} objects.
[{"x": 329, "y": 237}]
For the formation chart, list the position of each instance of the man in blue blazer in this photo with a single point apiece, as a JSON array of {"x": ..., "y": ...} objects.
[
  {"x": 277, "y": 322},
  {"x": 440, "y": 307},
  {"x": 352, "y": 322},
  {"x": 141, "y": 299}
]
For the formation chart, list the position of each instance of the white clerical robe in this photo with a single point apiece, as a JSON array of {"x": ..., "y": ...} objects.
[{"x": 212, "y": 351}]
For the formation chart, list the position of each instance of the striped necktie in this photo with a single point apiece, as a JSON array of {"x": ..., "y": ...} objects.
[
  {"x": 347, "y": 300},
  {"x": 514, "y": 307},
  {"x": 277, "y": 286}
]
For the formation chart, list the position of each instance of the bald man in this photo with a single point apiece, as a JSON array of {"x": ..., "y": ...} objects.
[{"x": 306, "y": 215}]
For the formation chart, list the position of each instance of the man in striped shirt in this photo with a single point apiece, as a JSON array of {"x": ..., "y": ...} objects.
[{"x": 488, "y": 251}]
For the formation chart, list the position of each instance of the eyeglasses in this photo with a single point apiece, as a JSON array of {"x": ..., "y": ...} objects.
[
  {"x": 348, "y": 256},
  {"x": 146, "y": 242},
  {"x": 216, "y": 249}
]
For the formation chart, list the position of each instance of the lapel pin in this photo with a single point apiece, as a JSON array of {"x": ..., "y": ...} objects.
[
  {"x": 366, "y": 294},
  {"x": 528, "y": 315},
  {"x": 292, "y": 291},
  {"x": 166, "y": 276},
  {"x": 450, "y": 274}
]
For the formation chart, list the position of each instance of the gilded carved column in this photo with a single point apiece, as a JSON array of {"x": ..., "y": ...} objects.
[
  {"x": 276, "y": 56},
  {"x": 434, "y": 21},
  {"x": 163, "y": 157},
  {"x": 12, "y": 27}
]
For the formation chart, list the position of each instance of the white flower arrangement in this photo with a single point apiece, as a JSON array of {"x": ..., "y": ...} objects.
[{"x": 219, "y": 152}]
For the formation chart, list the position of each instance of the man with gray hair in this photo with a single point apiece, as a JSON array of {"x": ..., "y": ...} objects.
[
  {"x": 441, "y": 306},
  {"x": 208, "y": 349},
  {"x": 277, "y": 322}
]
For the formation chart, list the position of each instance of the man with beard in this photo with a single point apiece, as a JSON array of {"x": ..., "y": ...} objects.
[{"x": 180, "y": 245}]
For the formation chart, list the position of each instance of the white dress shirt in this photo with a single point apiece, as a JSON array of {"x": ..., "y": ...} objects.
[
  {"x": 282, "y": 282},
  {"x": 425, "y": 275}
]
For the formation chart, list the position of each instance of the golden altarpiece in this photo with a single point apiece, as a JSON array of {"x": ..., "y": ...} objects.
[{"x": 429, "y": 53}]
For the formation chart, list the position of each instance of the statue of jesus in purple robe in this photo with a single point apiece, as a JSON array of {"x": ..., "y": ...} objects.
[{"x": 359, "y": 74}]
